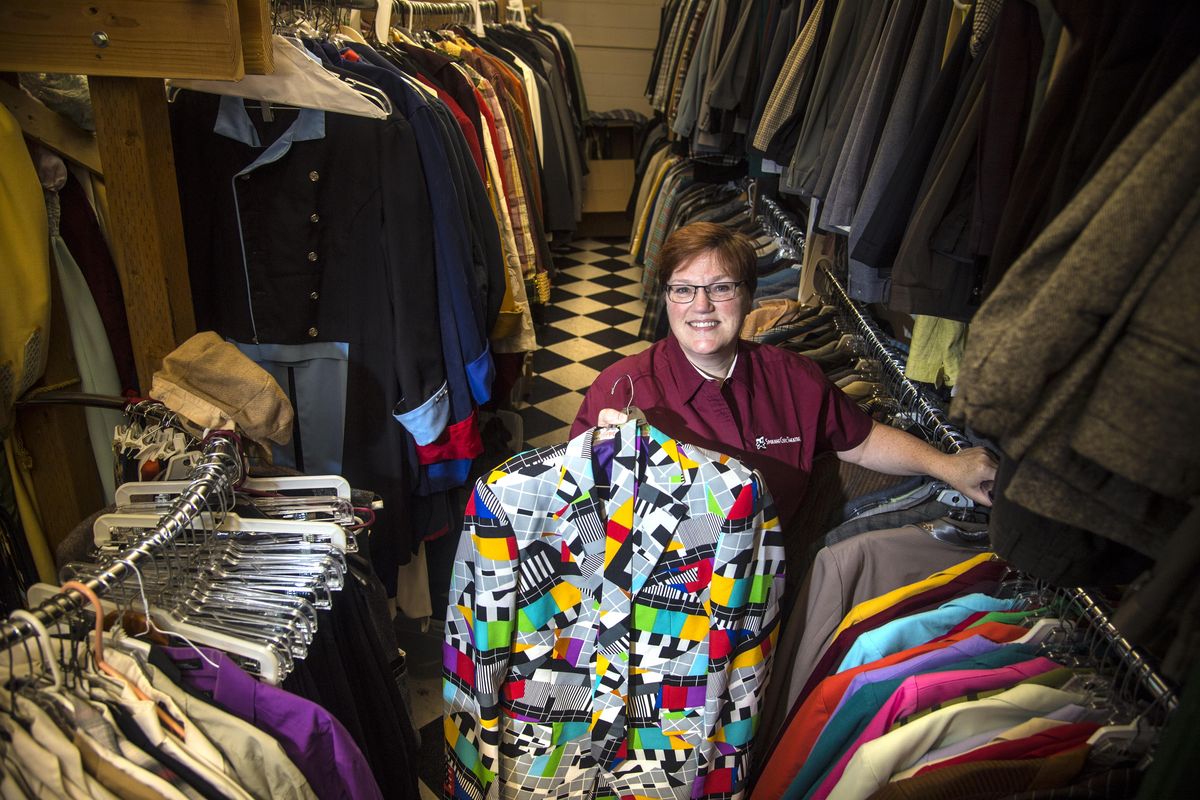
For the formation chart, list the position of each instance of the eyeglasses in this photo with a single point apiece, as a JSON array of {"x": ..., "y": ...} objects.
[{"x": 717, "y": 292}]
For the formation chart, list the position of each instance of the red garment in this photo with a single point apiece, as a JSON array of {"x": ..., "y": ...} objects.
[
  {"x": 1045, "y": 743},
  {"x": 808, "y": 719},
  {"x": 776, "y": 413},
  {"x": 966, "y": 623},
  {"x": 983, "y": 577},
  {"x": 458, "y": 440},
  {"x": 464, "y": 122}
]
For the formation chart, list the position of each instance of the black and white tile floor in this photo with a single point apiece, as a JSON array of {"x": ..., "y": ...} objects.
[{"x": 592, "y": 320}]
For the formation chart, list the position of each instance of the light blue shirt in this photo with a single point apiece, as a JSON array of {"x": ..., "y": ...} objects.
[{"x": 905, "y": 632}]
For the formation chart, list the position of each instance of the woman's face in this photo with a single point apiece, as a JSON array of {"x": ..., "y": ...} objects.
[{"x": 707, "y": 331}]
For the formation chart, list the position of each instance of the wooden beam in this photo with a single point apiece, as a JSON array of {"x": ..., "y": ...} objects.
[
  {"x": 143, "y": 38},
  {"x": 145, "y": 224},
  {"x": 254, "y": 16},
  {"x": 51, "y": 128}
]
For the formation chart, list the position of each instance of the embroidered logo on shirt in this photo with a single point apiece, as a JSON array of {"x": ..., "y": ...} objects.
[{"x": 761, "y": 442}]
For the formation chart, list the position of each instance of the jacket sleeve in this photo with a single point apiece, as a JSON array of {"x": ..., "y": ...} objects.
[
  {"x": 480, "y": 621},
  {"x": 407, "y": 236},
  {"x": 746, "y": 584}
]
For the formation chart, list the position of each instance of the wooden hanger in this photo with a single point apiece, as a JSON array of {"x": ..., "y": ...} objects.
[{"x": 170, "y": 722}]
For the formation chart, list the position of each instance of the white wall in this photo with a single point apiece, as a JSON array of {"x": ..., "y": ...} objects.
[{"x": 615, "y": 42}]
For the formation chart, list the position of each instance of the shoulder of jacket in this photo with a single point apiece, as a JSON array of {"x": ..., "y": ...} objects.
[{"x": 771, "y": 354}]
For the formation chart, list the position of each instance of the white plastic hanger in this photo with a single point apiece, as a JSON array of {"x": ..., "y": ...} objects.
[
  {"x": 45, "y": 646},
  {"x": 329, "y": 532},
  {"x": 146, "y": 491},
  {"x": 298, "y": 81},
  {"x": 264, "y": 657}
]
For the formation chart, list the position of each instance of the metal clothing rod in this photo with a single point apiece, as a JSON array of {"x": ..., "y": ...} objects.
[
  {"x": 219, "y": 470},
  {"x": 1095, "y": 616},
  {"x": 781, "y": 225},
  {"x": 908, "y": 394}
]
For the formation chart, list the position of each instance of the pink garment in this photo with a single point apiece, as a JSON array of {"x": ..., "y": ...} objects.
[{"x": 922, "y": 691}]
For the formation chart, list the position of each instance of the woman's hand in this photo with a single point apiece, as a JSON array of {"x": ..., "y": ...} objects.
[
  {"x": 610, "y": 416},
  {"x": 972, "y": 472}
]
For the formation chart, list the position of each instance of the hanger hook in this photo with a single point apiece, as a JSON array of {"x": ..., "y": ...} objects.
[
  {"x": 43, "y": 643},
  {"x": 613, "y": 390}
]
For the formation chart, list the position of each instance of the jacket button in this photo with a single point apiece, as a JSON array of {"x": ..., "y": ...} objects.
[
  {"x": 312, "y": 332},
  {"x": 314, "y": 218},
  {"x": 314, "y": 296},
  {"x": 312, "y": 256},
  {"x": 314, "y": 176}
]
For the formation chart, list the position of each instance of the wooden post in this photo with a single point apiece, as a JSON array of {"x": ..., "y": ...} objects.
[{"x": 147, "y": 228}]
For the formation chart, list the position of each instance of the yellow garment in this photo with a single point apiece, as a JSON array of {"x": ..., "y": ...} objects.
[
  {"x": 936, "y": 352},
  {"x": 647, "y": 181},
  {"x": 644, "y": 222},
  {"x": 31, "y": 517},
  {"x": 958, "y": 15},
  {"x": 869, "y": 608},
  {"x": 1060, "y": 55},
  {"x": 25, "y": 266}
]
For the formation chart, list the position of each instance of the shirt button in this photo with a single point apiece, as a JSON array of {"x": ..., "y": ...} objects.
[
  {"x": 314, "y": 296},
  {"x": 312, "y": 332},
  {"x": 312, "y": 256},
  {"x": 243, "y": 177},
  {"x": 314, "y": 176},
  {"x": 315, "y": 218}
]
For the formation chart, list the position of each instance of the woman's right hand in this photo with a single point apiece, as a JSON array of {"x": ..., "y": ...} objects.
[{"x": 610, "y": 416}]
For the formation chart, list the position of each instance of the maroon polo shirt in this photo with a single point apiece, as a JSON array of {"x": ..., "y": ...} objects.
[{"x": 776, "y": 412}]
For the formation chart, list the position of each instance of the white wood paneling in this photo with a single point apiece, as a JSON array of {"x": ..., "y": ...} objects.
[{"x": 615, "y": 42}]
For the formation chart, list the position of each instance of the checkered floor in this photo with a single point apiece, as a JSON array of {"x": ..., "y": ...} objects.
[{"x": 592, "y": 320}]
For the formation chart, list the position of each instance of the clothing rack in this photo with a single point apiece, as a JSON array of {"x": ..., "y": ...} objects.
[
  {"x": 1096, "y": 615},
  {"x": 928, "y": 414},
  {"x": 1092, "y": 611},
  {"x": 149, "y": 410},
  {"x": 790, "y": 233},
  {"x": 219, "y": 470},
  {"x": 780, "y": 224}
]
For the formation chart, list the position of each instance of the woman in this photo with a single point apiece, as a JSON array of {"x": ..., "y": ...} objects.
[{"x": 770, "y": 408}]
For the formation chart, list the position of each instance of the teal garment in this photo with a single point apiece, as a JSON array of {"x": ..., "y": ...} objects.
[
  {"x": 852, "y": 718},
  {"x": 905, "y": 632}
]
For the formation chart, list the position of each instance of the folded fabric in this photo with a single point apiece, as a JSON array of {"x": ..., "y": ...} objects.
[
  {"x": 919, "y": 691},
  {"x": 1067, "y": 715},
  {"x": 877, "y": 760},
  {"x": 989, "y": 779},
  {"x": 807, "y": 719},
  {"x": 983, "y": 576},
  {"x": 1044, "y": 743},
  {"x": 209, "y": 382}
]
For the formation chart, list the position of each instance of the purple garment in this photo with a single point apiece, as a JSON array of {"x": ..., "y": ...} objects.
[
  {"x": 967, "y": 648},
  {"x": 313, "y": 739}
]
